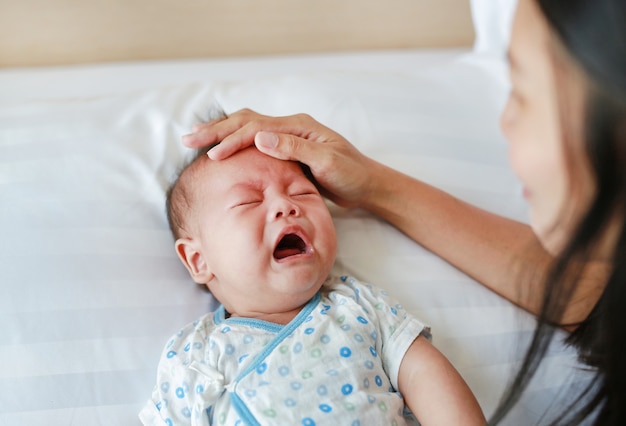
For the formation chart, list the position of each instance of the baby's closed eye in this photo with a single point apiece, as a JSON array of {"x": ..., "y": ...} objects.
[
  {"x": 247, "y": 202},
  {"x": 303, "y": 193},
  {"x": 302, "y": 190}
]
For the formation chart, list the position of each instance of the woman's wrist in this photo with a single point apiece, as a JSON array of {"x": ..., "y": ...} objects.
[{"x": 381, "y": 195}]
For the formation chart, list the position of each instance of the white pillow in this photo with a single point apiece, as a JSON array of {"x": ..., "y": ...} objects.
[{"x": 492, "y": 23}]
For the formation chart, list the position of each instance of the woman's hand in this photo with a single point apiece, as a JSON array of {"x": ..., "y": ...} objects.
[{"x": 343, "y": 172}]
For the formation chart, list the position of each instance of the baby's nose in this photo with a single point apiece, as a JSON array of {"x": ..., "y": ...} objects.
[
  {"x": 281, "y": 213},
  {"x": 285, "y": 207}
]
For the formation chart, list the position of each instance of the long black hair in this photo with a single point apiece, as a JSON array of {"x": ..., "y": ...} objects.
[{"x": 593, "y": 35}]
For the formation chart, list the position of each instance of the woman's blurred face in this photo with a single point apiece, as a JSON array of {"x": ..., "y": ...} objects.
[{"x": 543, "y": 124}]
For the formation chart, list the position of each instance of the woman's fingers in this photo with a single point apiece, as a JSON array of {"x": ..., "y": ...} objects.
[
  {"x": 338, "y": 166},
  {"x": 288, "y": 147},
  {"x": 197, "y": 127},
  {"x": 217, "y": 130},
  {"x": 341, "y": 170}
]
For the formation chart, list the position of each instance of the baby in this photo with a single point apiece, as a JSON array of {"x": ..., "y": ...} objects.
[{"x": 288, "y": 345}]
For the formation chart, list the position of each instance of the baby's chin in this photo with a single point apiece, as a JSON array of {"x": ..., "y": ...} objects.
[{"x": 302, "y": 282}]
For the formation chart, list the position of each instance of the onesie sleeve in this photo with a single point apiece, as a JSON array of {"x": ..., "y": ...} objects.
[
  {"x": 398, "y": 328},
  {"x": 186, "y": 387}
]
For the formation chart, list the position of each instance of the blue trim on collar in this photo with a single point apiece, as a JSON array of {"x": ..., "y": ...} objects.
[
  {"x": 272, "y": 327},
  {"x": 219, "y": 317},
  {"x": 219, "y": 314}
]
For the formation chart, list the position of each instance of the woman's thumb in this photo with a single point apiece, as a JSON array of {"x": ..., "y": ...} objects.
[
  {"x": 266, "y": 141},
  {"x": 284, "y": 147}
]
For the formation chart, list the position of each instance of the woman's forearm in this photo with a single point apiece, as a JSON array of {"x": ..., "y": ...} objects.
[{"x": 501, "y": 253}]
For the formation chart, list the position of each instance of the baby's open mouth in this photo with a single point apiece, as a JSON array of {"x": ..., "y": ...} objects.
[{"x": 290, "y": 245}]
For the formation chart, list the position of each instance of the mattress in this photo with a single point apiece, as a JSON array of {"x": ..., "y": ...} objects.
[{"x": 90, "y": 286}]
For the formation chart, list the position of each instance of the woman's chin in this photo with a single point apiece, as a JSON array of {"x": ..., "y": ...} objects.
[{"x": 553, "y": 239}]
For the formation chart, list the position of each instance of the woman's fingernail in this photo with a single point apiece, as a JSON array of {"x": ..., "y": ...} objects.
[{"x": 266, "y": 140}]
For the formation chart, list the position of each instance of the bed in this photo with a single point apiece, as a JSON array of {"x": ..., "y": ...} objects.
[{"x": 90, "y": 129}]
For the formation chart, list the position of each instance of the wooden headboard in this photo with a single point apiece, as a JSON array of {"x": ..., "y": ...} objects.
[{"x": 54, "y": 32}]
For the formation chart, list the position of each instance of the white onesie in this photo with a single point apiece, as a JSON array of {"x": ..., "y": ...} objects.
[{"x": 336, "y": 361}]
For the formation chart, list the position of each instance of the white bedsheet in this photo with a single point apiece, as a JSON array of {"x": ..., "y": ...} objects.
[{"x": 90, "y": 286}]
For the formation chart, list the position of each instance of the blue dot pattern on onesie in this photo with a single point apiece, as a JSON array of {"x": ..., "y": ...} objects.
[
  {"x": 362, "y": 339},
  {"x": 330, "y": 364}
]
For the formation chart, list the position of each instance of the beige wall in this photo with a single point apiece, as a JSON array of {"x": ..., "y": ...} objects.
[{"x": 51, "y": 32}]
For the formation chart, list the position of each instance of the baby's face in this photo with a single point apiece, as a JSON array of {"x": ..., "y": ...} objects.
[{"x": 264, "y": 231}]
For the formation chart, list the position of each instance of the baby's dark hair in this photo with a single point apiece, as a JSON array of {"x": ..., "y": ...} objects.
[{"x": 178, "y": 197}]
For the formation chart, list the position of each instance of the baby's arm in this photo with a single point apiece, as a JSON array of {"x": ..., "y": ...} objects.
[{"x": 433, "y": 389}]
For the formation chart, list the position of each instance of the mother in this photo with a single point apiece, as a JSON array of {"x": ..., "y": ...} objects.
[{"x": 566, "y": 125}]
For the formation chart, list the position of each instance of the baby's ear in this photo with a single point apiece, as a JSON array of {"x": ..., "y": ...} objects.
[{"x": 190, "y": 254}]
